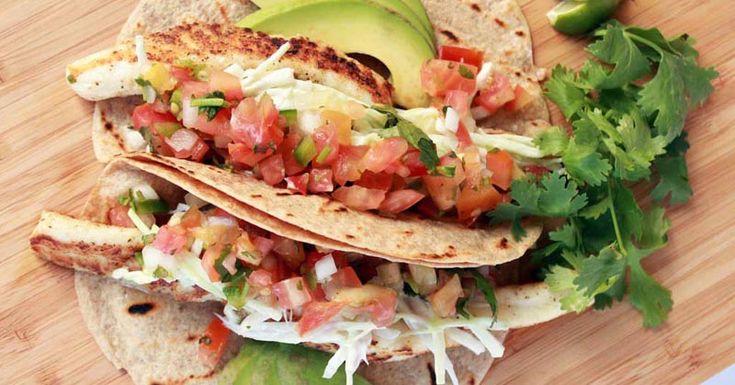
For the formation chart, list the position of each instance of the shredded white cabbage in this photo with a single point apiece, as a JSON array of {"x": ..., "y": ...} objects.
[
  {"x": 140, "y": 225},
  {"x": 484, "y": 74}
]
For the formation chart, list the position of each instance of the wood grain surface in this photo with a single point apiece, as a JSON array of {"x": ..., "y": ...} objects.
[{"x": 46, "y": 161}]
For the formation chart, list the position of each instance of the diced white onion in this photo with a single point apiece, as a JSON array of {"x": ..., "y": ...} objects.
[
  {"x": 221, "y": 221},
  {"x": 451, "y": 120},
  {"x": 146, "y": 191},
  {"x": 189, "y": 114},
  {"x": 182, "y": 140},
  {"x": 308, "y": 121},
  {"x": 133, "y": 139},
  {"x": 324, "y": 268},
  {"x": 484, "y": 74},
  {"x": 153, "y": 258}
]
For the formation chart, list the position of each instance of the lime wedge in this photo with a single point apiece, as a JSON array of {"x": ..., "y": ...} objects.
[{"x": 573, "y": 17}]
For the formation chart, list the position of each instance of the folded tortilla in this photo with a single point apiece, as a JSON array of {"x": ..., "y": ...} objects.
[{"x": 91, "y": 245}]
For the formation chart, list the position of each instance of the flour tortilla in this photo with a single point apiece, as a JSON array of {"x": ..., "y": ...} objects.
[{"x": 139, "y": 340}]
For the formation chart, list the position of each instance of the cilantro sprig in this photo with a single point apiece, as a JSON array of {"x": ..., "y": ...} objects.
[{"x": 627, "y": 108}]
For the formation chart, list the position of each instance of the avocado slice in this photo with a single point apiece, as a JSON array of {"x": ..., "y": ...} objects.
[
  {"x": 417, "y": 7},
  {"x": 354, "y": 26},
  {"x": 264, "y": 363},
  {"x": 395, "y": 6}
]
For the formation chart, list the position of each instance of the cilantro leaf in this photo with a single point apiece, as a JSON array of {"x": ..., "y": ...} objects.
[
  {"x": 600, "y": 271},
  {"x": 561, "y": 281},
  {"x": 487, "y": 290},
  {"x": 679, "y": 85},
  {"x": 556, "y": 196},
  {"x": 673, "y": 173},
  {"x": 564, "y": 90},
  {"x": 648, "y": 296},
  {"x": 614, "y": 48},
  {"x": 552, "y": 141}
]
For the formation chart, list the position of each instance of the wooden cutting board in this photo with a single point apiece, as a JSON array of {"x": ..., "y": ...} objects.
[{"x": 46, "y": 161}]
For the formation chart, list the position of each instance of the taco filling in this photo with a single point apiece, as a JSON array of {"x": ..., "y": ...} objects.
[
  {"x": 280, "y": 290},
  {"x": 314, "y": 139}
]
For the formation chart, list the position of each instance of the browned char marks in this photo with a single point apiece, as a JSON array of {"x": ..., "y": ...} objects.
[
  {"x": 99, "y": 259},
  {"x": 449, "y": 35},
  {"x": 500, "y": 23},
  {"x": 503, "y": 243},
  {"x": 476, "y": 7}
]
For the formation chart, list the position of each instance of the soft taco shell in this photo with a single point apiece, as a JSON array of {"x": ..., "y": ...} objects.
[{"x": 404, "y": 239}]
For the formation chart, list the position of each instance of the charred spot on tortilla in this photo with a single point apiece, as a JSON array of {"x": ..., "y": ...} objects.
[
  {"x": 451, "y": 36},
  {"x": 520, "y": 33},
  {"x": 503, "y": 243},
  {"x": 500, "y": 23},
  {"x": 191, "y": 337},
  {"x": 284, "y": 193},
  {"x": 408, "y": 232},
  {"x": 141, "y": 308},
  {"x": 256, "y": 196},
  {"x": 476, "y": 7},
  {"x": 350, "y": 236}
]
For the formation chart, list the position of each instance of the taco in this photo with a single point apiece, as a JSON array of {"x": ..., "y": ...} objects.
[
  {"x": 324, "y": 154},
  {"x": 161, "y": 231}
]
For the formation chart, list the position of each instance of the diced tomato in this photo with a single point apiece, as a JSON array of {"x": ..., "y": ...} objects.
[
  {"x": 340, "y": 259},
  {"x": 276, "y": 267},
  {"x": 182, "y": 74},
  {"x": 380, "y": 181},
  {"x": 264, "y": 245},
  {"x": 501, "y": 165},
  {"x": 412, "y": 160},
  {"x": 194, "y": 89},
  {"x": 344, "y": 277},
  {"x": 347, "y": 167},
  {"x": 320, "y": 180},
  {"x": 383, "y": 153},
  {"x": 291, "y": 293},
  {"x": 340, "y": 123},
  {"x": 170, "y": 239},
  {"x": 290, "y": 251},
  {"x": 473, "y": 201},
  {"x": 286, "y": 150},
  {"x": 226, "y": 83},
  {"x": 444, "y": 300},
  {"x": 462, "y": 55},
  {"x": 441, "y": 76},
  {"x": 185, "y": 143},
  {"x": 459, "y": 101},
  {"x": 359, "y": 198},
  {"x": 213, "y": 343},
  {"x": 256, "y": 125},
  {"x": 443, "y": 189},
  {"x": 378, "y": 302},
  {"x": 260, "y": 279},
  {"x": 316, "y": 314},
  {"x": 272, "y": 169},
  {"x": 398, "y": 168},
  {"x": 520, "y": 100},
  {"x": 192, "y": 218},
  {"x": 218, "y": 126},
  {"x": 208, "y": 260},
  {"x": 118, "y": 216},
  {"x": 218, "y": 212},
  {"x": 400, "y": 200},
  {"x": 463, "y": 137},
  {"x": 536, "y": 170},
  {"x": 298, "y": 183},
  {"x": 145, "y": 115},
  {"x": 497, "y": 94},
  {"x": 327, "y": 145},
  {"x": 474, "y": 170},
  {"x": 241, "y": 153}
]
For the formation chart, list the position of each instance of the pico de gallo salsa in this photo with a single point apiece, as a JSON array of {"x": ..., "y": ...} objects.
[
  {"x": 263, "y": 276},
  {"x": 368, "y": 157}
]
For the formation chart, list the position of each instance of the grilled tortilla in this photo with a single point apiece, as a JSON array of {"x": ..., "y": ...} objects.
[{"x": 91, "y": 245}]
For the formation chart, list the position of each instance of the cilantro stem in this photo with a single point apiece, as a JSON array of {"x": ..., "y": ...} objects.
[{"x": 615, "y": 220}]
